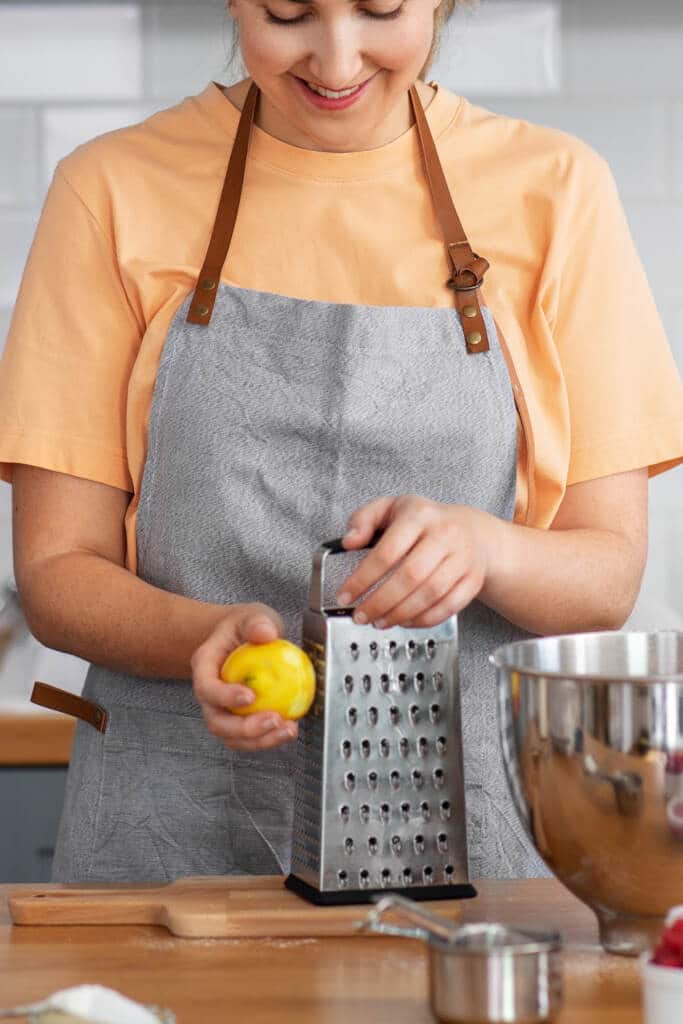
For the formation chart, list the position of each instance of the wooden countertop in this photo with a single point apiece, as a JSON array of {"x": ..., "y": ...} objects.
[
  {"x": 367, "y": 979},
  {"x": 35, "y": 738}
]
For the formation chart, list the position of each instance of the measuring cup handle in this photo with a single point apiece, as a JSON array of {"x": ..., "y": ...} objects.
[{"x": 329, "y": 547}]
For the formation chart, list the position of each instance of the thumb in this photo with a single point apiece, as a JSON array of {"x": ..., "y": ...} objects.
[
  {"x": 260, "y": 625},
  {"x": 366, "y": 521}
]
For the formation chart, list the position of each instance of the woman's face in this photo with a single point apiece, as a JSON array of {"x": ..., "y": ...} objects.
[{"x": 363, "y": 55}]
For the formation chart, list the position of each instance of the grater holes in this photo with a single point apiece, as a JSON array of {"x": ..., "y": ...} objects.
[
  {"x": 442, "y": 842},
  {"x": 395, "y": 779},
  {"x": 373, "y": 716},
  {"x": 445, "y": 810},
  {"x": 345, "y": 813},
  {"x": 427, "y": 875},
  {"x": 414, "y": 714},
  {"x": 396, "y": 845},
  {"x": 366, "y": 683},
  {"x": 437, "y": 682},
  {"x": 346, "y": 748},
  {"x": 418, "y": 843},
  {"x": 384, "y": 747},
  {"x": 405, "y": 811},
  {"x": 352, "y": 716},
  {"x": 365, "y": 748},
  {"x": 419, "y": 682},
  {"x": 373, "y": 845},
  {"x": 407, "y": 875},
  {"x": 348, "y": 846},
  {"x": 364, "y": 878},
  {"x": 448, "y": 872},
  {"x": 434, "y": 713},
  {"x": 350, "y": 781},
  {"x": 348, "y": 684},
  {"x": 425, "y": 810},
  {"x": 364, "y": 813},
  {"x": 354, "y": 650},
  {"x": 411, "y": 649},
  {"x": 385, "y": 877},
  {"x": 438, "y": 777},
  {"x": 423, "y": 746},
  {"x": 430, "y": 647},
  {"x": 373, "y": 780},
  {"x": 441, "y": 745},
  {"x": 343, "y": 879},
  {"x": 374, "y": 649},
  {"x": 417, "y": 778},
  {"x": 384, "y": 813},
  {"x": 384, "y": 683},
  {"x": 394, "y": 715},
  {"x": 402, "y": 682},
  {"x": 393, "y": 648},
  {"x": 404, "y": 746}
]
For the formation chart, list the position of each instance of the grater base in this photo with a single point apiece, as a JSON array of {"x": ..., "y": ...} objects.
[{"x": 337, "y": 898}]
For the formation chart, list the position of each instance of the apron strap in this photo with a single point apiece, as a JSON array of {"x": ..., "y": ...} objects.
[
  {"x": 207, "y": 286},
  {"x": 468, "y": 267},
  {"x": 52, "y": 697}
]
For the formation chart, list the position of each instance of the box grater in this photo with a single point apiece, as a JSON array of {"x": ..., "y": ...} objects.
[{"x": 379, "y": 802}]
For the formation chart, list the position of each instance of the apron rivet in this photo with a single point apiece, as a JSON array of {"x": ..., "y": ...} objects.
[
  {"x": 470, "y": 311},
  {"x": 474, "y": 338},
  {"x": 201, "y": 310},
  {"x": 208, "y": 284}
]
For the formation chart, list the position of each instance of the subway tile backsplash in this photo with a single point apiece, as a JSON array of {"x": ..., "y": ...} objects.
[
  {"x": 70, "y": 51},
  {"x": 607, "y": 71}
]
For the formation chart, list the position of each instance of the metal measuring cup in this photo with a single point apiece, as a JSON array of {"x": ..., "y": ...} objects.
[{"x": 480, "y": 973}]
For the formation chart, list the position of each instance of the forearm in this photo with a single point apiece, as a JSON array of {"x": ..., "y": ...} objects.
[
  {"x": 88, "y": 606},
  {"x": 562, "y": 581}
]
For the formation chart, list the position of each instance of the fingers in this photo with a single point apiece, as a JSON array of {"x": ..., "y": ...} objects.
[
  {"x": 392, "y": 547},
  {"x": 365, "y": 522},
  {"x": 462, "y": 594},
  {"x": 435, "y": 587},
  {"x": 260, "y": 731}
]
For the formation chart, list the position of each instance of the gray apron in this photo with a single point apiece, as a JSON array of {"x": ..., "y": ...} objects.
[{"x": 271, "y": 421}]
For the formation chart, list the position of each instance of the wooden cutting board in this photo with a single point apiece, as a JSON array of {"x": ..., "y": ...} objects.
[{"x": 210, "y": 907}]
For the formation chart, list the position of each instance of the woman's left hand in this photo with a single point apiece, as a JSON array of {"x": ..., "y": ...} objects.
[{"x": 438, "y": 556}]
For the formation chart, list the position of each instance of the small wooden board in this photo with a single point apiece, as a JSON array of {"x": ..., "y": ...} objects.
[{"x": 211, "y": 907}]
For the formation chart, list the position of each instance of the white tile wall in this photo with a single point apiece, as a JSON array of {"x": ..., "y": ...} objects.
[
  {"x": 70, "y": 51},
  {"x": 604, "y": 70},
  {"x": 502, "y": 47}
]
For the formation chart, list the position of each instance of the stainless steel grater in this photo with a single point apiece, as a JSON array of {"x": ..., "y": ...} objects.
[{"x": 380, "y": 801}]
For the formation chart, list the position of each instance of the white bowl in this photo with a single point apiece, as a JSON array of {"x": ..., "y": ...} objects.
[{"x": 662, "y": 992}]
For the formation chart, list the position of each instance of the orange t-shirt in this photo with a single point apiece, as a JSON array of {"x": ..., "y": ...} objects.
[{"x": 128, "y": 217}]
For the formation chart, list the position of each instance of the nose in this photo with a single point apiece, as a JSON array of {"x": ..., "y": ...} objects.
[{"x": 336, "y": 60}]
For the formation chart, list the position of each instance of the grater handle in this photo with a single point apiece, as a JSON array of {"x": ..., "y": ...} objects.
[{"x": 329, "y": 547}]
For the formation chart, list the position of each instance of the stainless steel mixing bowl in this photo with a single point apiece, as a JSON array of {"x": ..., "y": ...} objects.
[{"x": 592, "y": 737}]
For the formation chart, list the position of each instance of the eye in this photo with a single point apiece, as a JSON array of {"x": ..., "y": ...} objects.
[
  {"x": 387, "y": 16},
  {"x": 274, "y": 20}
]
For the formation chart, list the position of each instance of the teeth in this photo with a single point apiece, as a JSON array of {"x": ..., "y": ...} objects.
[{"x": 329, "y": 94}]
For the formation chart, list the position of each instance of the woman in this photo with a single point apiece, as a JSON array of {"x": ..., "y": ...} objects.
[{"x": 183, "y": 425}]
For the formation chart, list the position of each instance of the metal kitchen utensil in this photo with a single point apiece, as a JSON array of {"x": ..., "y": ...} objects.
[
  {"x": 592, "y": 737},
  {"x": 481, "y": 973},
  {"x": 380, "y": 795}
]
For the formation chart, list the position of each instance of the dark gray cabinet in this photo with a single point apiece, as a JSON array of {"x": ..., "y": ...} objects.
[{"x": 31, "y": 801}]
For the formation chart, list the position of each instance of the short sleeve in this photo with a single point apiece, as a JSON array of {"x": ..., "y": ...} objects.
[
  {"x": 623, "y": 389},
  {"x": 71, "y": 346}
]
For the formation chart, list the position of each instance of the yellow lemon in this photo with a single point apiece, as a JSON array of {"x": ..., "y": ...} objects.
[{"x": 279, "y": 673}]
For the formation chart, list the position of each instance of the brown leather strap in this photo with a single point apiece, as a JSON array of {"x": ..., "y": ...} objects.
[
  {"x": 528, "y": 435},
  {"x": 61, "y": 700},
  {"x": 468, "y": 267},
  {"x": 205, "y": 293}
]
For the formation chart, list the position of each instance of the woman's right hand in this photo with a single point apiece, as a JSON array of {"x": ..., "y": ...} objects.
[{"x": 248, "y": 623}]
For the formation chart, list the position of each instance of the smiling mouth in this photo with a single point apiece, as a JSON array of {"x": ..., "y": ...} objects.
[{"x": 333, "y": 94}]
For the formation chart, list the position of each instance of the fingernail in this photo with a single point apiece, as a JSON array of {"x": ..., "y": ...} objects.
[
  {"x": 272, "y": 723},
  {"x": 351, "y": 530},
  {"x": 242, "y": 700},
  {"x": 344, "y": 598},
  {"x": 360, "y": 617},
  {"x": 284, "y": 734},
  {"x": 381, "y": 623}
]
